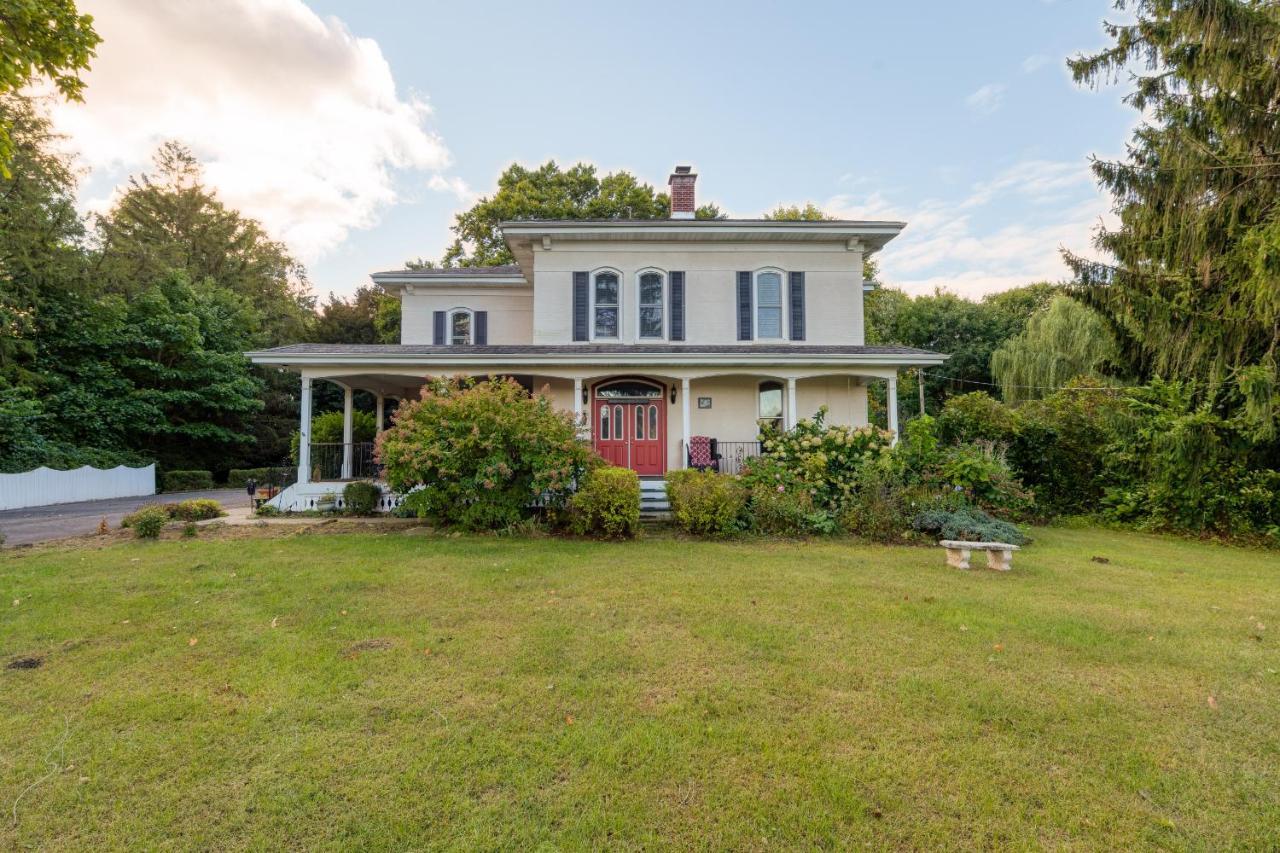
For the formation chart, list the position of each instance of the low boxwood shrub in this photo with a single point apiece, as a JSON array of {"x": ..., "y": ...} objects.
[
  {"x": 149, "y": 521},
  {"x": 128, "y": 520},
  {"x": 705, "y": 503},
  {"x": 967, "y": 523},
  {"x": 361, "y": 497},
  {"x": 187, "y": 481},
  {"x": 238, "y": 478},
  {"x": 607, "y": 504}
]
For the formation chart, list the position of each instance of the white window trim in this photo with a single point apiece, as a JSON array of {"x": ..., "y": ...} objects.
[
  {"x": 781, "y": 417},
  {"x": 471, "y": 326},
  {"x": 591, "y": 303},
  {"x": 755, "y": 304},
  {"x": 666, "y": 299}
]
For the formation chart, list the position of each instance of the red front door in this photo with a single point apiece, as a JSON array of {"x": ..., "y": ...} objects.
[{"x": 630, "y": 431}]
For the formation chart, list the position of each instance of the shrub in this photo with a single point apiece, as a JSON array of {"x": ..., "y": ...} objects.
[
  {"x": 607, "y": 504},
  {"x": 197, "y": 509},
  {"x": 149, "y": 521},
  {"x": 705, "y": 503},
  {"x": 187, "y": 481},
  {"x": 361, "y": 497},
  {"x": 980, "y": 470},
  {"x": 976, "y": 416},
  {"x": 482, "y": 454},
  {"x": 189, "y": 530},
  {"x": 820, "y": 460},
  {"x": 970, "y": 524},
  {"x": 238, "y": 478},
  {"x": 128, "y": 520},
  {"x": 783, "y": 511},
  {"x": 881, "y": 507}
]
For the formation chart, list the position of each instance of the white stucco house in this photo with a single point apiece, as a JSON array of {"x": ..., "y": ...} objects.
[{"x": 653, "y": 332}]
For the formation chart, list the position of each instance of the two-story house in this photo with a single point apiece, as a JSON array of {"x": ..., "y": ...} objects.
[{"x": 652, "y": 332}]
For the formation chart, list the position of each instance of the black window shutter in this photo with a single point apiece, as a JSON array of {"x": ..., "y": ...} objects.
[
  {"x": 481, "y": 331},
  {"x": 581, "y": 297},
  {"x": 677, "y": 306},
  {"x": 438, "y": 329},
  {"x": 797, "y": 306},
  {"x": 744, "y": 306}
]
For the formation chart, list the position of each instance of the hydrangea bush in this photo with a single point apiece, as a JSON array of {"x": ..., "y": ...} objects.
[{"x": 482, "y": 455}]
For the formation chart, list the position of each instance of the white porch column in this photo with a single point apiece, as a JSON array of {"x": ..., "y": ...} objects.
[
  {"x": 577, "y": 406},
  {"x": 304, "y": 433},
  {"x": 791, "y": 404},
  {"x": 347, "y": 395},
  {"x": 378, "y": 420},
  {"x": 892, "y": 404},
  {"x": 686, "y": 424}
]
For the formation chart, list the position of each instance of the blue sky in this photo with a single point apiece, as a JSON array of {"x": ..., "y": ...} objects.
[{"x": 958, "y": 117}]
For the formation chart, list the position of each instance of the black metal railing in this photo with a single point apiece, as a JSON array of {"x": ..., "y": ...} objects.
[
  {"x": 734, "y": 453},
  {"x": 327, "y": 461}
]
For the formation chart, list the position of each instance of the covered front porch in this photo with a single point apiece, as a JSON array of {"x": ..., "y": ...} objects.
[{"x": 643, "y": 411}]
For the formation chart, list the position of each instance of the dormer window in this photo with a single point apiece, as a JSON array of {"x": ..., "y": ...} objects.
[
  {"x": 652, "y": 308},
  {"x": 605, "y": 300},
  {"x": 460, "y": 327},
  {"x": 769, "y": 304}
]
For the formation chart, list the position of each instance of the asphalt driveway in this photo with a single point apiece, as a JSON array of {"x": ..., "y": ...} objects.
[{"x": 42, "y": 523}]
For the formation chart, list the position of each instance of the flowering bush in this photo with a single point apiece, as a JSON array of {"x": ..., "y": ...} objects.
[
  {"x": 480, "y": 455},
  {"x": 820, "y": 460}
]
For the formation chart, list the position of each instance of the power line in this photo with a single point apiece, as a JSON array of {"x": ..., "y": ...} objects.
[{"x": 1033, "y": 387}]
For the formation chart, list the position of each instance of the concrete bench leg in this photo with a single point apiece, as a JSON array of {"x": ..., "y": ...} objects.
[
  {"x": 1001, "y": 561},
  {"x": 958, "y": 558}
]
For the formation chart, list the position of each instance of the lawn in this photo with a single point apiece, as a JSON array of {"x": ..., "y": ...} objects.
[{"x": 409, "y": 691}]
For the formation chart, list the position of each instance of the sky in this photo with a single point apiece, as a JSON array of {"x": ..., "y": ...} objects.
[{"x": 356, "y": 130}]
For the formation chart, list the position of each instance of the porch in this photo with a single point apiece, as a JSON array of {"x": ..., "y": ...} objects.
[{"x": 639, "y": 408}]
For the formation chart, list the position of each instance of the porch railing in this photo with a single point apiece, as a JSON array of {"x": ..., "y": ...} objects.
[
  {"x": 734, "y": 453},
  {"x": 327, "y": 459}
]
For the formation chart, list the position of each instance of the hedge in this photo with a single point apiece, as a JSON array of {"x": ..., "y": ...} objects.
[
  {"x": 239, "y": 478},
  {"x": 187, "y": 481}
]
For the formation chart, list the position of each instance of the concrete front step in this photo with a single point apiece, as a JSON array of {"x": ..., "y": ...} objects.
[{"x": 653, "y": 499}]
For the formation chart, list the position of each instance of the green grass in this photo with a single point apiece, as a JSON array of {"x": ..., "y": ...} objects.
[{"x": 661, "y": 693}]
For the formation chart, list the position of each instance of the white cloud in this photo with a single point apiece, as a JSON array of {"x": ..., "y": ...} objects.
[
  {"x": 1005, "y": 233},
  {"x": 986, "y": 99},
  {"x": 297, "y": 121},
  {"x": 1034, "y": 63},
  {"x": 457, "y": 186}
]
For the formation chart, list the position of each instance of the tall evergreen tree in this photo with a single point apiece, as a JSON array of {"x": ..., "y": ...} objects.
[{"x": 1194, "y": 290}]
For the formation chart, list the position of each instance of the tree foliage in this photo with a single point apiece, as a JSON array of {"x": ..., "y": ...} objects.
[
  {"x": 1063, "y": 341},
  {"x": 46, "y": 39},
  {"x": 1194, "y": 291},
  {"x": 549, "y": 192}
]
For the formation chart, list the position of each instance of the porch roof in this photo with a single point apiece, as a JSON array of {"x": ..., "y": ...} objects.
[{"x": 506, "y": 356}]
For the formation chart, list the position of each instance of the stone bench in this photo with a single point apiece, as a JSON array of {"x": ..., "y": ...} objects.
[{"x": 999, "y": 554}]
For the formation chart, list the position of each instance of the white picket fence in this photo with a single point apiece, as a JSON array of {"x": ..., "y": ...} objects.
[{"x": 45, "y": 486}]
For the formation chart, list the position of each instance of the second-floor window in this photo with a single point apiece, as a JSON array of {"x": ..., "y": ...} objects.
[
  {"x": 769, "y": 304},
  {"x": 606, "y": 304},
  {"x": 652, "y": 288},
  {"x": 460, "y": 327}
]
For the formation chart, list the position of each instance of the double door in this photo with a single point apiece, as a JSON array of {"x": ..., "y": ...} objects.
[{"x": 631, "y": 433}]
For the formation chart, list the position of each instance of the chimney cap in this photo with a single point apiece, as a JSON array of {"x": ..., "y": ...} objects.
[{"x": 682, "y": 171}]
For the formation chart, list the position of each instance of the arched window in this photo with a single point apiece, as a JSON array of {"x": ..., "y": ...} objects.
[
  {"x": 770, "y": 411},
  {"x": 604, "y": 296},
  {"x": 769, "y": 304},
  {"x": 652, "y": 292},
  {"x": 460, "y": 327}
]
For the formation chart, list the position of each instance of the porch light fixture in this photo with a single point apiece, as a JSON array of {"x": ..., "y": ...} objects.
[
  {"x": 585, "y": 394},
  {"x": 673, "y": 395}
]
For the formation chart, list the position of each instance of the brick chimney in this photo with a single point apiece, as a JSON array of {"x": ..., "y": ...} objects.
[{"x": 682, "y": 198}]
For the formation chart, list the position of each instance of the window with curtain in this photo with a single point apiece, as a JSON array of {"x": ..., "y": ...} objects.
[
  {"x": 606, "y": 305},
  {"x": 770, "y": 411},
  {"x": 769, "y": 305},
  {"x": 460, "y": 328},
  {"x": 651, "y": 307}
]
